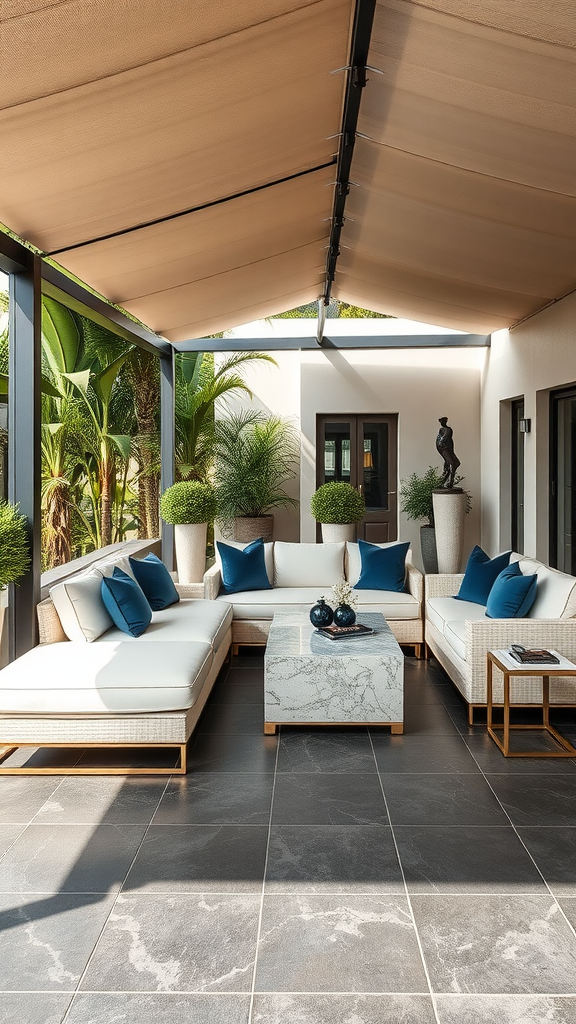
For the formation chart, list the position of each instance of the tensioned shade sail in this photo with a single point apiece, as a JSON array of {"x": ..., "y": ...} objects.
[
  {"x": 155, "y": 110},
  {"x": 463, "y": 207}
]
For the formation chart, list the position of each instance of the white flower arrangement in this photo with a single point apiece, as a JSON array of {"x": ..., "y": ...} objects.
[{"x": 342, "y": 593}]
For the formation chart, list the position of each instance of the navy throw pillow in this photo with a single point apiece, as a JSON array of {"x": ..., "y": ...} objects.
[
  {"x": 125, "y": 603},
  {"x": 382, "y": 568},
  {"x": 243, "y": 568},
  {"x": 155, "y": 580},
  {"x": 512, "y": 595},
  {"x": 480, "y": 575}
]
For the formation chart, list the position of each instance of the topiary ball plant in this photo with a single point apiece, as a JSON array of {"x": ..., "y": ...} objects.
[
  {"x": 188, "y": 502},
  {"x": 14, "y": 551},
  {"x": 337, "y": 503}
]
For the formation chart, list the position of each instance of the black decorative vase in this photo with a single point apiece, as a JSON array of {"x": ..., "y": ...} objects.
[
  {"x": 321, "y": 614},
  {"x": 344, "y": 615}
]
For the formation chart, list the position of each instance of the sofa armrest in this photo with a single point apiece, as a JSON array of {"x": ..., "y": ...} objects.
[
  {"x": 49, "y": 626},
  {"x": 497, "y": 634},
  {"x": 415, "y": 581},
  {"x": 190, "y": 590},
  {"x": 443, "y": 584},
  {"x": 212, "y": 582}
]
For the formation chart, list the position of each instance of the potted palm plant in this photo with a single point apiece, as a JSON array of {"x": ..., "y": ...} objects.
[
  {"x": 255, "y": 457},
  {"x": 337, "y": 506},
  {"x": 189, "y": 505},
  {"x": 14, "y": 551}
]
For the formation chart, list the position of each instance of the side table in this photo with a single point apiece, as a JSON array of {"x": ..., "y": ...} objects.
[{"x": 510, "y": 668}]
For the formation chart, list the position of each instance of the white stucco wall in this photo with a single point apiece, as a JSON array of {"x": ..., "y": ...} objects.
[{"x": 530, "y": 360}]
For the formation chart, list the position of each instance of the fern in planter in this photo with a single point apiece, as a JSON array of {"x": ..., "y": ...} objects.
[
  {"x": 416, "y": 495},
  {"x": 338, "y": 503},
  {"x": 14, "y": 551}
]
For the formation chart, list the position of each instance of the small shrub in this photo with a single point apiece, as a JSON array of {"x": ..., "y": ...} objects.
[
  {"x": 14, "y": 551},
  {"x": 188, "y": 502},
  {"x": 337, "y": 503}
]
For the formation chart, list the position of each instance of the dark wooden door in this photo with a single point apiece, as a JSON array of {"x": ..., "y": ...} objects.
[{"x": 362, "y": 450}]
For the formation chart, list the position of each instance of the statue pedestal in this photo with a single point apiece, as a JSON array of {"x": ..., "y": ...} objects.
[{"x": 449, "y": 510}]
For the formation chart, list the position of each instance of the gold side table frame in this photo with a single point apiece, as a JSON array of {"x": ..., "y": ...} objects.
[{"x": 500, "y": 660}]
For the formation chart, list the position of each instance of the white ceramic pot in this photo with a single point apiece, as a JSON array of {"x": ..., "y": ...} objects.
[
  {"x": 449, "y": 511},
  {"x": 334, "y": 533},
  {"x": 190, "y": 544}
]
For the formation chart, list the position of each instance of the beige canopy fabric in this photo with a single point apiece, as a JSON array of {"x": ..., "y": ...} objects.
[{"x": 179, "y": 158}]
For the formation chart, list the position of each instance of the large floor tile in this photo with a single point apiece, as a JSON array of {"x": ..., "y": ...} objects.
[
  {"x": 338, "y": 944},
  {"x": 491, "y": 760},
  {"x": 176, "y": 943},
  {"x": 506, "y": 1009},
  {"x": 45, "y": 942},
  {"x": 217, "y": 799},
  {"x": 70, "y": 858},
  {"x": 8, "y": 835},
  {"x": 569, "y": 907},
  {"x": 493, "y": 944},
  {"x": 441, "y": 800},
  {"x": 233, "y": 752},
  {"x": 33, "y": 1007},
  {"x": 537, "y": 799},
  {"x": 342, "y": 1009},
  {"x": 328, "y": 799},
  {"x": 466, "y": 859},
  {"x": 158, "y": 1008},
  {"x": 238, "y": 688},
  {"x": 325, "y": 750},
  {"x": 421, "y": 754},
  {"x": 332, "y": 859},
  {"x": 554, "y": 850},
  {"x": 428, "y": 718},
  {"x": 200, "y": 858},
  {"x": 21, "y": 797},
  {"x": 103, "y": 798},
  {"x": 235, "y": 718}
]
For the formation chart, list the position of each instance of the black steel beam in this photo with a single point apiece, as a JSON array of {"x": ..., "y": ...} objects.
[
  {"x": 382, "y": 341},
  {"x": 356, "y": 80},
  {"x": 24, "y": 439},
  {"x": 167, "y": 446}
]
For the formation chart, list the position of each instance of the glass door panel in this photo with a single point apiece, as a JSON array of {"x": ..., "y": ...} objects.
[
  {"x": 517, "y": 481},
  {"x": 563, "y": 482},
  {"x": 337, "y": 443}
]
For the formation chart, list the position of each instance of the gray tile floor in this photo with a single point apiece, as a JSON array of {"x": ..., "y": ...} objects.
[{"x": 326, "y": 877}]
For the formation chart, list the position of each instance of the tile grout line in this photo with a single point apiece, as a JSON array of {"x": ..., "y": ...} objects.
[
  {"x": 114, "y": 902},
  {"x": 406, "y": 893},
  {"x": 261, "y": 912}
]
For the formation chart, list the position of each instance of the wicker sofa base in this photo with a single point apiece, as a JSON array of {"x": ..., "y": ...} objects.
[{"x": 168, "y": 730}]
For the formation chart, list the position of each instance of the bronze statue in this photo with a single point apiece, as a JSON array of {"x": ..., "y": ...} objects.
[{"x": 445, "y": 448}]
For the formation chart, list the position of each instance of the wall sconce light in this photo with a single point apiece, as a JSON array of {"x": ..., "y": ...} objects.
[{"x": 524, "y": 426}]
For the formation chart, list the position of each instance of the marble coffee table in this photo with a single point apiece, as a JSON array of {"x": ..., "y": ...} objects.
[{"x": 311, "y": 680}]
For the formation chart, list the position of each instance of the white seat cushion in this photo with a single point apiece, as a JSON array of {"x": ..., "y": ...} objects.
[
  {"x": 205, "y": 621},
  {"x": 80, "y": 607},
  {"x": 446, "y": 609},
  {"x": 308, "y": 565},
  {"x": 120, "y": 678},
  {"x": 455, "y": 633},
  {"x": 263, "y": 604}
]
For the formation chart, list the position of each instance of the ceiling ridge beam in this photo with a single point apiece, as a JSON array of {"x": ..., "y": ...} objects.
[
  {"x": 356, "y": 80},
  {"x": 193, "y": 209}
]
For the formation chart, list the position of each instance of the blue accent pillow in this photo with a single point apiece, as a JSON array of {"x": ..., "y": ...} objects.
[
  {"x": 243, "y": 568},
  {"x": 155, "y": 581},
  {"x": 125, "y": 603},
  {"x": 512, "y": 595},
  {"x": 382, "y": 568},
  {"x": 480, "y": 575}
]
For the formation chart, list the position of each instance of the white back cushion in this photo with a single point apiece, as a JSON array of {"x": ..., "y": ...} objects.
[
  {"x": 352, "y": 561},
  {"x": 268, "y": 556},
  {"x": 80, "y": 607},
  {"x": 308, "y": 565},
  {"x": 556, "y": 593}
]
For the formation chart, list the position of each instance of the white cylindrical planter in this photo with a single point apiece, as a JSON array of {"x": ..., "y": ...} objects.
[
  {"x": 449, "y": 511},
  {"x": 190, "y": 543},
  {"x": 334, "y": 533}
]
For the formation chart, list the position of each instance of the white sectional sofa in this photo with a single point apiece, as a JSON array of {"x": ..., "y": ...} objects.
[
  {"x": 300, "y": 574},
  {"x": 459, "y": 634},
  {"x": 106, "y": 688}
]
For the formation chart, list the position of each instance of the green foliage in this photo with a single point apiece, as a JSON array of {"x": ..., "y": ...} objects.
[
  {"x": 357, "y": 313},
  {"x": 336, "y": 309},
  {"x": 337, "y": 503},
  {"x": 254, "y": 458},
  {"x": 188, "y": 501},
  {"x": 416, "y": 494},
  {"x": 14, "y": 552}
]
